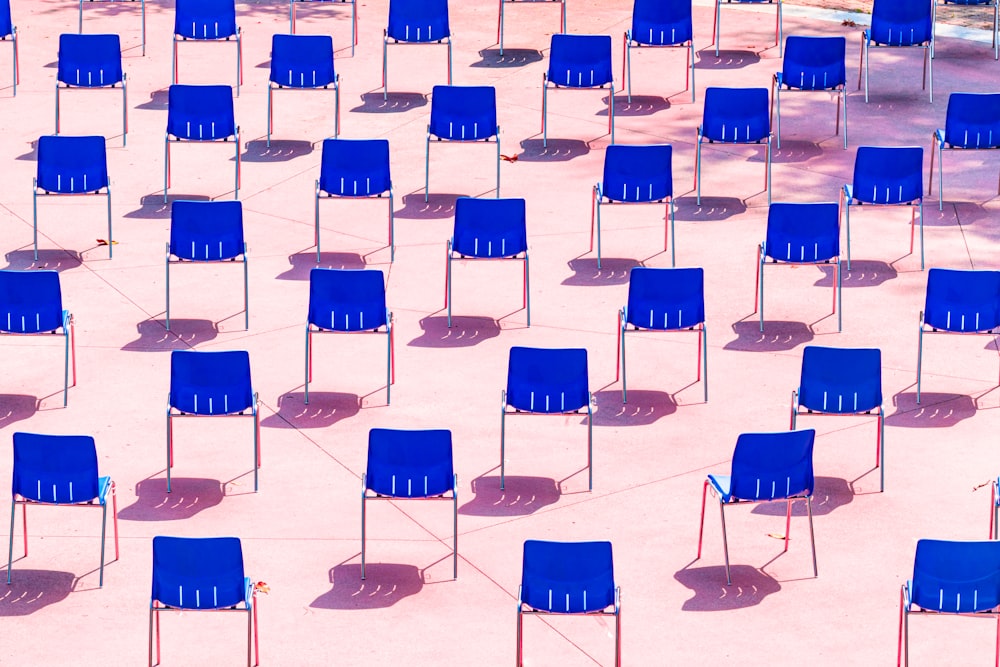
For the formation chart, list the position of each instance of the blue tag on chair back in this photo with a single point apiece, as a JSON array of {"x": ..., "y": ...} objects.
[
  {"x": 30, "y": 301},
  {"x": 490, "y": 227},
  {"x": 803, "y": 232},
  {"x": 55, "y": 468},
  {"x": 814, "y": 63},
  {"x": 567, "y": 577},
  {"x": 210, "y": 383},
  {"x": 347, "y": 299},
  {"x": 355, "y": 167},
  {"x": 580, "y": 61},
  {"x": 638, "y": 173},
  {"x": 956, "y": 577},
  {"x": 205, "y": 19},
  {"x": 973, "y": 120},
  {"x": 962, "y": 301},
  {"x": 661, "y": 22},
  {"x": 198, "y": 572},
  {"x": 547, "y": 380},
  {"x": 72, "y": 165},
  {"x": 302, "y": 61},
  {"x": 410, "y": 464},
  {"x": 666, "y": 299},
  {"x": 888, "y": 175},
  {"x": 736, "y": 115},
  {"x": 840, "y": 380},
  {"x": 206, "y": 231},
  {"x": 772, "y": 466},
  {"x": 89, "y": 61},
  {"x": 200, "y": 113},
  {"x": 418, "y": 20},
  {"x": 464, "y": 113},
  {"x": 901, "y": 22}
]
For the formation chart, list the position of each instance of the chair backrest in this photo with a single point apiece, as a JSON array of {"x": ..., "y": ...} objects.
[
  {"x": 962, "y": 301},
  {"x": 661, "y": 22},
  {"x": 798, "y": 232},
  {"x": 638, "y": 173},
  {"x": 665, "y": 299},
  {"x": 973, "y": 120},
  {"x": 58, "y": 469},
  {"x": 490, "y": 227},
  {"x": 89, "y": 61},
  {"x": 347, "y": 299},
  {"x": 736, "y": 115},
  {"x": 200, "y": 113},
  {"x": 902, "y": 22},
  {"x": 418, "y": 20},
  {"x": 547, "y": 380},
  {"x": 814, "y": 63},
  {"x": 210, "y": 383},
  {"x": 567, "y": 577},
  {"x": 409, "y": 464},
  {"x": 205, "y": 19},
  {"x": 198, "y": 572},
  {"x": 30, "y": 301},
  {"x": 840, "y": 380},
  {"x": 6, "y": 24},
  {"x": 580, "y": 61},
  {"x": 956, "y": 577},
  {"x": 464, "y": 113},
  {"x": 772, "y": 466},
  {"x": 206, "y": 231},
  {"x": 72, "y": 165},
  {"x": 355, "y": 167},
  {"x": 888, "y": 174},
  {"x": 302, "y": 61}
]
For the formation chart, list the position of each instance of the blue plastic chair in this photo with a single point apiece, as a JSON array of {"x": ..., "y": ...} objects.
[
  {"x": 900, "y": 23},
  {"x": 415, "y": 22},
  {"x": 329, "y": 3},
  {"x": 568, "y": 578},
  {"x": 200, "y": 113},
  {"x": 353, "y": 169},
  {"x": 208, "y": 231},
  {"x": 211, "y": 384},
  {"x": 660, "y": 24},
  {"x": 31, "y": 303},
  {"x": 91, "y": 61},
  {"x": 717, "y": 23},
  {"x": 9, "y": 30},
  {"x": 959, "y": 302},
  {"x": 735, "y": 116},
  {"x": 201, "y": 574},
  {"x": 887, "y": 176},
  {"x": 208, "y": 21},
  {"x": 972, "y": 123},
  {"x": 59, "y": 470},
  {"x": 302, "y": 62},
  {"x": 465, "y": 114},
  {"x": 488, "y": 229},
  {"x": 409, "y": 465},
  {"x": 950, "y": 578},
  {"x": 500, "y": 18},
  {"x": 812, "y": 64},
  {"x": 543, "y": 381},
  {"x": 664, "y": 300},
  {"x": 801, "y": 234},
  {"x": 842, "y": 381},
  {"x": 766, "y": 467},
  {"x": 142, "y": 5},
  {"x": 636, "y": 175},
  {"x": 347, "y": 301},
  {"x": 974, "y": 3},
  {"x": 579, "y": 61}
]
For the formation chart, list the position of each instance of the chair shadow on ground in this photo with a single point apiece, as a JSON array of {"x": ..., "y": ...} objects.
[
  {"x": 17, "y": 407},
  {"x": 183, "y": 334},
  {"x": 439, "y": 205},
  {"x": 33, "y": 590},
  {"x": 727, "y": 59},
  {"x": 935, "y": 410},
  {"x": 325, "y": 409},
  {"x": 613, "y": 271},
  {"x": 863, "y": 273},
  {"x": 830, "y": 493},
  {"x": 48, "y": 258},
  {"x": 520, "y": 497},
  {"x": 711, "y": 208},
  {"x": 281, "y": 150},
  {"x": 373, "y": 102},
  {"x": 510, "y": 58},
  {"x": 384, "y": 585},
  {"x": 558, "y": 150},
  {"x": 158, "y": 101},
  {"x": 795, "y": 150},
  {"x": 465, "y": 331},
  {"x": 304, "y": 262},
  {"x": 777, "y": 336},
  {"x": 189, "y": 496},
  {"x": 152, "y": 206},
  {"x": 644, "y": 407},
  {"x": 641, "y": 105},
  {"x": 750, "y": 587},
  {"x": 32, "y": 154}
]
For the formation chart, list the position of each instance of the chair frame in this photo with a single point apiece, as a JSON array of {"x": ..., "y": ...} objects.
[
  {"x": 246, "y": 280},
  {"x": 271, "y": 87},
  {"x": 597, "y": 200},
  {"x": 177, "y": 140},
  {"x": 922, "y": 329},
  {"x": 385, "y": 57},
  {"x": 142, "y": 4},
  {"x": 354, "y": 16},
  {"x": 175, "y": 70},
  {"x": 500, "y": 16},
  {"x": 392, "y": 226},
  {"x": 438, "y": 138},
  {"x": 938, "y": 142},
  {"x": 522, "y": 611},
  {"x": 767, "y": 159},
  {"x": 389, "y": 333},
  {"x": 545, "y": 106},
  {"x": 996, "y": 20},
  {"x": 16, "y": 79},
  {"x": 866, "y": 45},
  {"x": 776, "y": 102},
  {"x": 35, "y": 194},
  {"x": 627, "y": 46},
  {"x": 717, "y": 22},
  {"x": 124, "y": 84}
]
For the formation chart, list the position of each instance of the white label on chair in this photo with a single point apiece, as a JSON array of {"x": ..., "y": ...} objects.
[
  {"x": 584, "y": 598},
  {"x": 180, "y": 596},
  {"x": 225, "y": 403},
  {"x": 840, "y": 403},
  {"x": 531, "y": 403},
  {"x": 393, "y": 485},
  {"x": 39, "y": 488},
  {"x": 824, "y": 401},
  {"x": 361, "y": 316},
  {"x": 567, "y": 602},
  {"x": 197, "y": 597},
  {"x": 215, "y": 596},
  {"x": 947, "y": 322},
  {"x": 196, "y": 402},
  {"x": 220, "y": 250},
  {"x": 562, "y": 404},
  {"x": 54, "y": 498},
  {"x": 489, "y": 249},
  {"x": 425, "y": 485},
  {"x": 409, "y": 487},
  {"x": 210, "y": 405},
  {"x": 855, "y": 401},
  {"x": 550, "y": 599},
  {"x": 757, "y": 495},
  {"x": 546, "y": 402},
  {"x": 71, "y": 491}
]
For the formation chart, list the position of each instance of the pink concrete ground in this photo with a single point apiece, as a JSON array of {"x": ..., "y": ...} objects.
[{"x": 301, "y": 532}]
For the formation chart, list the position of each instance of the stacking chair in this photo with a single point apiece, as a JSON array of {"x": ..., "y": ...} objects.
[
  {"x": 961, "y": 302},
  {"x": 580, "y": 62},
  {"x": 211, "y": 384},
  {"x": 544, "y": 381},
  {"x": 353, "y": 169},
  {"x": 208, "y": 231},
  {"x": 208, "y": 21},
  {"x": 8, "y": 29},
  {"x": 415, "y": 22},
  {"x": 70, "y": 166},
  {"x": 91, "y": 61},
  {"x": 972, "y": 123},
  {"x": 59, "y": 470},
  {"x": 797, "y": 235},
  {"x": 201, "y": 574},
  {"x": 636, "y": 175},
  {"x": 950, "y": 578},
  {"x": 349, "y": 301},
  {"x": 142, "y": 5},
  {"x": 766, "y": 467},
  {"x": 302, "y": 62},
  {"x": 500, "y": 18},
  {"x": 735, "y": 116},
  {"x": 462, "y": 113},
  {"x": 405, "y": 465},
  {"x": 656, "y": 23},
  {"x": 200, "y": 113},
  {"x": 488, "y": 229},
  {"x": 812, "y": 64},
  {"x": 975, "y": 3},
  {"x": 31, "y": 303},
  {"x": 354, "y": 15},
  {"x": 664, "y": 300},
  {"x": 717, "y": 24},
  {"x": 900, "y": 23},
  {"x": 887, "y": 176},
  {"x": 568, "y": 578},
  {"x": 842, "y": 381}
]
